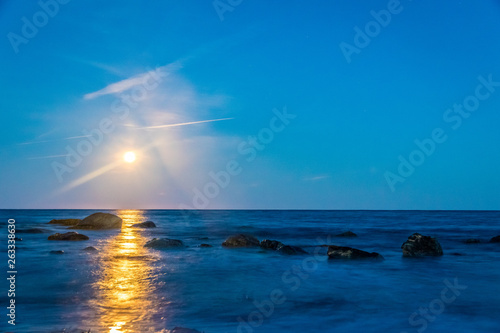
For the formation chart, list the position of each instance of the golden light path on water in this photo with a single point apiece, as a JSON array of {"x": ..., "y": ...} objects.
[{"x": 125, "y": 290}]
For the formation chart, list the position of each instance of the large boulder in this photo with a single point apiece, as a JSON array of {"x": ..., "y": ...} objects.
[
  {"x": 99, "y": 221},
  {"x": 164, "y": 243},
  {"x": 66, "y": 222},
  {"x": 419, "y": 246},
  {"x": 495, "y": 239},
  {"x": 69, "y": 236},
  {"x": 347, "y": 234},
  {"x": 344, "y": 252},
  {"x": 147, "y": 224},
  {"x": 241, "y": 240}
]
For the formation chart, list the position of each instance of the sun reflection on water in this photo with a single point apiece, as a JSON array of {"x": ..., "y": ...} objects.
[{"x": 125, "y": 290}]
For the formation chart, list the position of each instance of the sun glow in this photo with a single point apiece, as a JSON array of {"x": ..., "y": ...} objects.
[{"x": 129, "y": 157}]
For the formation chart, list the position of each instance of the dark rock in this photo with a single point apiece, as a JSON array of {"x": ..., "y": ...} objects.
[
  {"x": 456, "y": 254},
  {"x": 495, "y": 239},
  {"x": 291, "y": 250},
  {"x": 66, "y": 222},
  {"x": 344, "y": 252},
  {"x": 57, "y": 252},
  {"x": 18, "y": 239},
  {"x": 31, "y": 231},
  {"x": 69, "y": 236},
  {"x": 271, "y": 244},
  {"x": 472, "y": 241},
  {"x": 241, "y": 240},
  {"x": 99, "y": 221},
  {"x": 205, "y": 245},
  {"x": 90, "y": 249},
  {"x": 347, "y": 234},
  {"x": 418, "y": 246},
  {"x": 184, "y": 330},
  {"x": 147, "y": 224},
  {"x": 163, "y": 243}
]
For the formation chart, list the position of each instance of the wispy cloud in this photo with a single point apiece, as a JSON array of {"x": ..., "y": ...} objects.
[
  {"x": 183, "y": 124},
  {"x": 44, "y": 157},
  {"x": 316, "y": 178},
  {"x": 131, "y": 82}
]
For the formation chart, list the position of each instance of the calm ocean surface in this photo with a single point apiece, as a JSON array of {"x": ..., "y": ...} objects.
[{"x": 125, "y": 287}]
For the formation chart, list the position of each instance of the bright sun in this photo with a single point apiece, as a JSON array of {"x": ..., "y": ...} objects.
[{"x": 129, "y": 157}]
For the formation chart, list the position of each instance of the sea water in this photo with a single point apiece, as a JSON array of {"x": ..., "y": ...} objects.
[{"x": 125, "y": 287}]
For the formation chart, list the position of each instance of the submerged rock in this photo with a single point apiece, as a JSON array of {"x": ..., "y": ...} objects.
[
  {"x": 344, "y": 252},
  {"x": 347, "y": 234},
  {"x": 205, "y": 245},
  {"x": 18, "y": 239},
  {"x": 163, "y": 243},
  {"x": 57, "y": 252},
  {"x": 472, "y": 241},
  {"x": 66, "y": 222},
  {"x": 69, "y": 236},
  {"x": 147, "y": 224},
  {"x": 90, "y": 249},
  {"x": 271, "y": 244},
  {"x": 419, "y": 246},
  {"x": 495, "y": 239},
  {"x": 241, "y": 240},
  {"x": 99, "y": 221},
  {"x": 184, "y": 330},
  {"x": 280, "y": 247}
]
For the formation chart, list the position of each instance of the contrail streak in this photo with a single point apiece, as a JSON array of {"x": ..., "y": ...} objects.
[{"x": 184, "y": 124}]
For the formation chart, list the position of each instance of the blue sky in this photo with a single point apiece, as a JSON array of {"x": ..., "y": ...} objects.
[{"x": 352, "y": 120}]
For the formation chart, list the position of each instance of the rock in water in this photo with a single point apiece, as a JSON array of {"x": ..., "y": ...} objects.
[
  {"x": 280, "y": 247},
  {"x": 66, "y": 222},
  {"x": 495, "y": 239},
  {"x": 99, "y": 221},
  {"x": 164, "y": 243},
  {"x": 241, "y": 241},
  {"x": 90, "y": 249},
  {"x": 472, "y": 241},
  {"x": 147, "y": 224},
  {"x": 347, "y": 234},
  {"x": 205, "y": 245},
  {"x": 184, "y": 330},
  {"x": 271, "y": 244},
  {"x": 69, "y": 236},
  {"x": 57, "y": 252},
  {"x": 344, "y": 252},
  {"x": 291, "y": 250},
  {"x": 419, "y": 246}
]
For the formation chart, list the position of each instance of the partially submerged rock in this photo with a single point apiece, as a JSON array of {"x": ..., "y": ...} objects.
[
  {"x": 57, "y": 252},
  {"x": 99, "y": 221},
  {"x": 164, "y": 243},
  {"x": 278, "y": 246},
  {"x": 184, "y": 330},
  {"x": 66, "y": 222},
  {"x": 347, "y": 234},
  {"x": 472, "y": 241},
  {"x": 241, "y": 240},
  {"x": 419, "y": 246},
  {"x": 344, "y": 252},
  {"x": 90, "y": 249},
  {"x": 147, "y": 224},
  {"x": 495, "y": 239},
  {"x": 69, "y": 236},
  {"x": 205, "y": 245}
]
